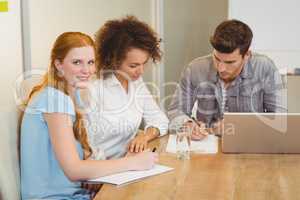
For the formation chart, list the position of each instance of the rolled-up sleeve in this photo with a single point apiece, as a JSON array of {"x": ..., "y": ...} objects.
[
  {"x": 275, "y": 93},
  {"x": 153, "y": 116},
  {"x": 180, "y": 108}
]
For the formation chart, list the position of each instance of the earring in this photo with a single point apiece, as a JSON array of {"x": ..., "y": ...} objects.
[{"x": 60, "y": 73}]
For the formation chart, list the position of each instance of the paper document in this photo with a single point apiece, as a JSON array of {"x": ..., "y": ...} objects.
[
  {"x": 208, "y": 145},
  {"x": 131, "y": 176}
]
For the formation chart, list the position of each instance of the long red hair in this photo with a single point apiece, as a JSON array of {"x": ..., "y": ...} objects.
[{"x": 63, "y": 44}]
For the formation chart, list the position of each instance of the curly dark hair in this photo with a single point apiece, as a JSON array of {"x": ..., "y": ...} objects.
[
  {"x": 230, "y": 35},
  {"x": 116, "y": 37}
]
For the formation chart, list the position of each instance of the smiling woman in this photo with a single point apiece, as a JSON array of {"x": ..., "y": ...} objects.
[
  {"x": 43, "y": 110},
  {"x": 77, "y": 66},
  {"x": 54, "y": 148}
]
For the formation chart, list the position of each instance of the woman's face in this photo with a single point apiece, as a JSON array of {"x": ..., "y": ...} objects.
[
  {"x": 78, "y": 66},
  {"x": 134, "y": 63}
]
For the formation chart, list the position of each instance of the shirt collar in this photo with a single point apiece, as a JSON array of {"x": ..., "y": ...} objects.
[
  {"x": 247, "y": 71},
  {"x": 112, "y": 80},
  {"x": 213, "y": 73}
]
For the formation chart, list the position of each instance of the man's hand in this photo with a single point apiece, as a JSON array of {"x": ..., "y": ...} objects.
[{"x": 198, "y": 131}]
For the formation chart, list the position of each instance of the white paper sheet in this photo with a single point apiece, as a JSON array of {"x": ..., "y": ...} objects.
[
  {"x": 208, "y": 145},
  {"x": 131, "y": 176}
]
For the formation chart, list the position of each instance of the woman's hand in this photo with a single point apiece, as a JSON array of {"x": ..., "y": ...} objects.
[
  {"x": 143, "y": 160},
  {"x": 139, "y": 143}
]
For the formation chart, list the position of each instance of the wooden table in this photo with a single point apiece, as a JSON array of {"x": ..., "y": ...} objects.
[{"x": 213, "y": 177}]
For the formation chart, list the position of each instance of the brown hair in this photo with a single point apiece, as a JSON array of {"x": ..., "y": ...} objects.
[
  {"x": 63, "y": 44},
  {"x": 230, "y": 35},
  {"x": 116, "y": 37}
]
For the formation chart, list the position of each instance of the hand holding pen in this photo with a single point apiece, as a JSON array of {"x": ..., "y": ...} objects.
[
  {"x": 215, "y": 129},
  {"x": 196, "y": 129},
  {"x": 199, "y": 131}
]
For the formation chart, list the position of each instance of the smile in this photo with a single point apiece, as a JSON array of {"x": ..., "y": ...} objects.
[{"x": 83, "y": 78}]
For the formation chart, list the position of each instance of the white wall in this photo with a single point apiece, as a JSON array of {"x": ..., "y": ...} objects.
[
  {"x": 275, "y": 25},
  {"x": 10, "y": 52},
  {"x": 188, "y": 26},
  {"x": 48, "y": 19},
  {"x": 11, "y": 67}
]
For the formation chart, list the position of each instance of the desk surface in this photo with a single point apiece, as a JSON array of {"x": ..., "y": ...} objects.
[{"x": 214, "y": 177}]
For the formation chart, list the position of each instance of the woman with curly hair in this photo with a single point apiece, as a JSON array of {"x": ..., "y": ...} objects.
[{"x": 120, "y": 96}]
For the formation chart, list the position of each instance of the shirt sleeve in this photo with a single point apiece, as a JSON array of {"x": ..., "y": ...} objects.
[
  {"x": 153, "y": 116},
  {"x": 51, "y": 100},
  {"x": 275, "y": 98},
  {"x": 180, "y": 108}
]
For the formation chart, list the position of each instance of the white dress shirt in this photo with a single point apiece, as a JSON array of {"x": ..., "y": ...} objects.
[{"x": 115, "y": 116}]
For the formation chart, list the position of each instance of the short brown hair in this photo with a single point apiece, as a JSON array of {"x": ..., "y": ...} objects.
[
  {"x": 231, "y": 35},
  {"x": 116, "y": 37}
]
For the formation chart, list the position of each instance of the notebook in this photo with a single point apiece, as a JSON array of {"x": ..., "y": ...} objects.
[
  {"x": 209, "y": 145},
  {"x": 125, "y": 178}
]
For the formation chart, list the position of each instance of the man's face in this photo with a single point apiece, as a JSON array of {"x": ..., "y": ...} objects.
[{"x": 229, "y": 65}]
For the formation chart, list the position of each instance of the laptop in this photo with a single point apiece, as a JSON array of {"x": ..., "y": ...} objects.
[{"x": 261, "y": 133}]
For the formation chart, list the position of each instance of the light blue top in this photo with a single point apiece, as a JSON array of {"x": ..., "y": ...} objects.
[{"x": 41, "y": 175}]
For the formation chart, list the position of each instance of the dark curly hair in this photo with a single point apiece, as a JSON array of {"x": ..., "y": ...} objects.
[
  {"x": 116, "y": 37},
  {"x": 230, "y": 35}
]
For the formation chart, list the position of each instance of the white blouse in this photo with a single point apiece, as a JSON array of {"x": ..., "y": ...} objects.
[{"x": 115, "y": 116}]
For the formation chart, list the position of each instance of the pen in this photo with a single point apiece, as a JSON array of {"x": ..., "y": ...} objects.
[
  {"x": 209, "y": 132},
  {"x": 154, "y": 149},
  {"x": 200, "y": 126},
  {"x": 193, "y": 118}
]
